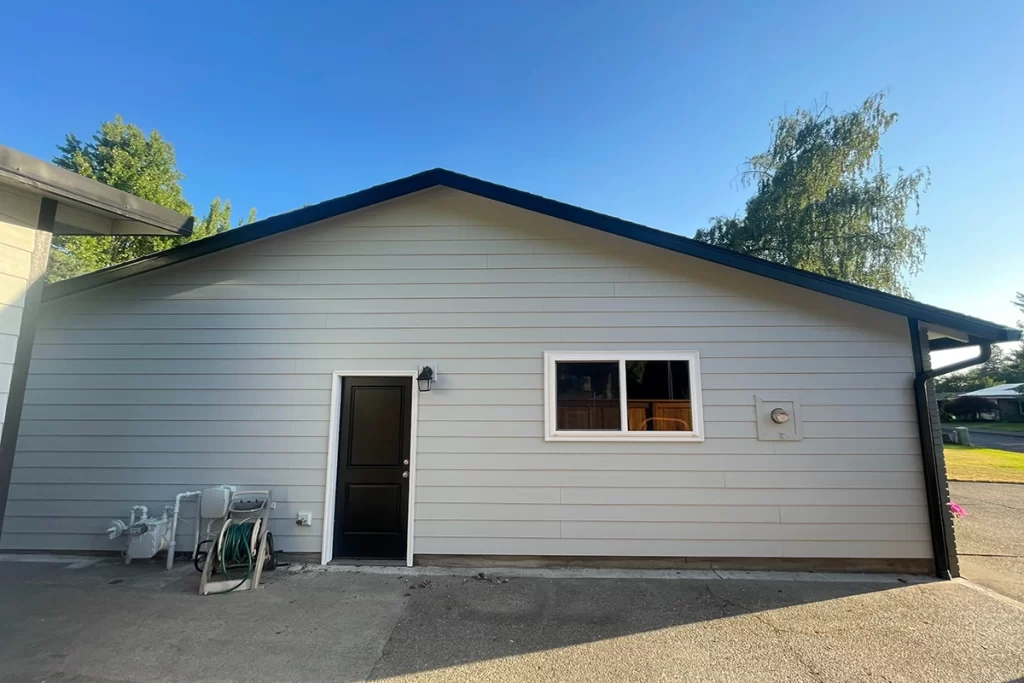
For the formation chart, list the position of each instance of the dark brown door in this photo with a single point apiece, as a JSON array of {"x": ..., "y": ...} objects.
[{"x": 371, "y": 511}]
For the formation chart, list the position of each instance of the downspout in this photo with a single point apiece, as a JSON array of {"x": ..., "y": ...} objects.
[{"x": 937, "y": 494}]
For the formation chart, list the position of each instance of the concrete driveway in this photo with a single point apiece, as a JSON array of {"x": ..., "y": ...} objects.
[
  {"x": 108, "y": 623},
  {"x": 990, "y": 539}
]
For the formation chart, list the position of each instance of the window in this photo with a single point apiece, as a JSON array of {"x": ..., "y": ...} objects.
[
  {"x": 609, "y": 396},
  {"x": 588, "y": 396}
]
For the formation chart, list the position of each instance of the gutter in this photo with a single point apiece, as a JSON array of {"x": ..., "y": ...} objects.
[{"x": 936, "y": 487}]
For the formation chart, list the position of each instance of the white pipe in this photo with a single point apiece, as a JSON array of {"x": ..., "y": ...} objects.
[
  {"x": 145, "y": 513},
  {"x": 174, "y": 525},
  {"x": 131, "y": 523},
  {"x": 199, "y": 520}
]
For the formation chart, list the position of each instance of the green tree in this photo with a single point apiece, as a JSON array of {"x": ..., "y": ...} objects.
[
  {"x": 249, "y": 218},
  {"x": 218, "y": 220},
  {"x": 123, "y": 156},
  {"x": 970, "y": 406},
  {"x": 996, "y": 367},
  {"x": 825, "y": 202},
  {"x": 962, "y": 382}
]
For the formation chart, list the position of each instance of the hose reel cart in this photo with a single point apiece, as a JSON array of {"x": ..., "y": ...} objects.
[{"x": 242, "y": 548}]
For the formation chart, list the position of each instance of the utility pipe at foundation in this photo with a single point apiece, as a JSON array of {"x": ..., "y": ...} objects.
[{"x": 173, "y": 540}]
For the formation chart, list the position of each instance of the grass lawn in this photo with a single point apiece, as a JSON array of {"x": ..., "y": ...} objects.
[
  {"x": 964, "y": 463},
  {"x": 996, "y": 426}
]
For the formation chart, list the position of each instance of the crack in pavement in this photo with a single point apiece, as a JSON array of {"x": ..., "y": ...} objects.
[
  {"x": 978, "y": 498},
  {"x": 779, "y": 632},
  {"x": 371, "y": 674},
  {"x": 967, "y": 501}
]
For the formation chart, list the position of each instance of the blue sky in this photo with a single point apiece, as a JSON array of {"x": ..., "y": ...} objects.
[{"x": 641, "y": 110}]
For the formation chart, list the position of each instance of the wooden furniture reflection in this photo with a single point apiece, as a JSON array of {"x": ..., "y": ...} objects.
[
  {"x": 662, "y": 416},
  {"x": 588, "y": 413}
]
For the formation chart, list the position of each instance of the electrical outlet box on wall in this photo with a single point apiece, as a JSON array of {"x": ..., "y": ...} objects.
[{"x": 778, "y": 419}]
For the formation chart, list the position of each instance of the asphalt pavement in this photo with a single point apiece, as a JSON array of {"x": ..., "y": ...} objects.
[
  {"x": 111, "y": 623},
  {"x": 990, "y": 539},
  {"x": 1003, "y": 442}
]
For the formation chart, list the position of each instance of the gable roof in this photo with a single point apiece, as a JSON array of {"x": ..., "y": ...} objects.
[{"x": 976, "y": 329}]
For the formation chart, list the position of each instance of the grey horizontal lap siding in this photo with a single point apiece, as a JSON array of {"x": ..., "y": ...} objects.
[{"x": 218, "y": 371}]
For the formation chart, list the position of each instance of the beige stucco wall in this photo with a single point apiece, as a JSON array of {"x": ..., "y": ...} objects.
[{"x": 18, "y": 216}]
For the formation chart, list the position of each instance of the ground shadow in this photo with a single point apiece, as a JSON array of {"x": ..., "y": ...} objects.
[
  {"x": 113, "y": 623},
  {"x": 456, "y": 621}
]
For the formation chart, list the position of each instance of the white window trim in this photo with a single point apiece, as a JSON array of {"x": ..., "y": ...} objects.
[
  {"x": 327, "y": 539},
  {"x": 551, "y": 404}
]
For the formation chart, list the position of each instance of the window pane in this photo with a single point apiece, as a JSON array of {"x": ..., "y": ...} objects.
[
  {"x": 588, "y": 396},
  {"x": 658, "y": 395}
]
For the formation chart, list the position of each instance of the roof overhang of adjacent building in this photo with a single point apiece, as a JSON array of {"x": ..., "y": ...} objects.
[
  {"x": 964, "y": 330},
  {"x": 1010, "y": 391},
  {"x": 85, "y": 206}
]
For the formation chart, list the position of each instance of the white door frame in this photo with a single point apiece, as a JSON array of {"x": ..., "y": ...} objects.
[{"x": 327, "y": 546}]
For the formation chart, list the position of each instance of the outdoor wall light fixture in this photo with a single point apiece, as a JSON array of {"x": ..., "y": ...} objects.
[
  {"x": 780, "y": 416},
  {"x": 426, "y": 378}
]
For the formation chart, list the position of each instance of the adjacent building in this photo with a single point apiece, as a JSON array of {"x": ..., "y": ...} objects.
[{"x": 1009, "y": 399}]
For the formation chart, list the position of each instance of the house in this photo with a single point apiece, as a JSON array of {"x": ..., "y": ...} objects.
[
  {"x": 1008, "y": 397},
  {"x": 39, "y": 200},
  {"x": 602, "y": 391}
]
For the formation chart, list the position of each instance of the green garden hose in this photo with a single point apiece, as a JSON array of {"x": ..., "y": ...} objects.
[{"x": 236, "y": 550}]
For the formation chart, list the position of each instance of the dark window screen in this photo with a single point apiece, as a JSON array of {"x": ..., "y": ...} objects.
[{"x": 588, "y": 395}]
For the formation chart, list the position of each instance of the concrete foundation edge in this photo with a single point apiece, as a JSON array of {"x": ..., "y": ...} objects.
[
  {"x": 791, "y": 564},
  {"x": 857, "y": 564}
]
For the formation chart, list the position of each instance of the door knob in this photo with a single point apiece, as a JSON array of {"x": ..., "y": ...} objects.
[{"x": 405, "y": 475}]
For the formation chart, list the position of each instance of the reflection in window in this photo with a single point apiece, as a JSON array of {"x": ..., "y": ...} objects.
[
  {"x": 622, "y": 396},
  {"x": 658, "y": 396},
  {"x": 588, "y": 395}
]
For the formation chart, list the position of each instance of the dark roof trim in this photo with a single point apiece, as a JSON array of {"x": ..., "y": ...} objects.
[
  {"x": 381, "y": 193},
  {"x": 28, "y": 172}
]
